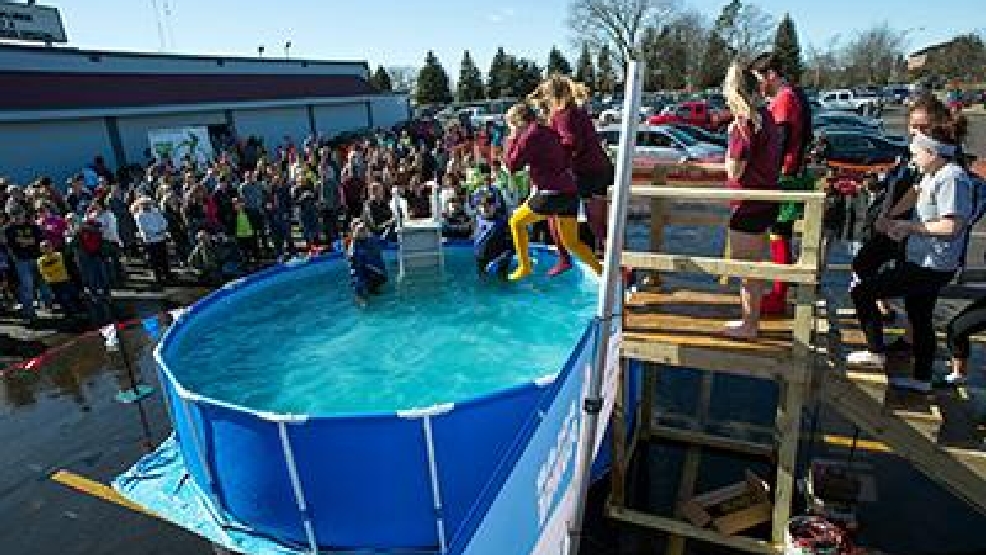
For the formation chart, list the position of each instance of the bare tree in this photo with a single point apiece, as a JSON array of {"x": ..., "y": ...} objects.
[
  {"x": 823, "y": 65},
  {"x": 619, "y": 24},
  {"x": 874, "y": 55},
  {"x": 747, "y": 29},
  {"x": 403, "y": 78}
]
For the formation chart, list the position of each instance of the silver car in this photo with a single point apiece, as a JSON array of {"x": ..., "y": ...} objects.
[{"x": 662, "y": 144}]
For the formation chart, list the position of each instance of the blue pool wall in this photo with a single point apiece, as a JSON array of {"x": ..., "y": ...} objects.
[{"x": 353, "y": 481}]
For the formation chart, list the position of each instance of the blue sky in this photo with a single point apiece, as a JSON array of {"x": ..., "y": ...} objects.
[{"x": 396, "y": 32}]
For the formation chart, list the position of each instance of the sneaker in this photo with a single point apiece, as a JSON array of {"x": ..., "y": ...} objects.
[
  {"x": 911, "y": 384},
  {"x": 866, "y": 358},
  {"x": 952, "y": 379}
]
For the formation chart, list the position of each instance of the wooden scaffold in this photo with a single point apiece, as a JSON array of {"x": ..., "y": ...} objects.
[{"x": 677, "y": 324}]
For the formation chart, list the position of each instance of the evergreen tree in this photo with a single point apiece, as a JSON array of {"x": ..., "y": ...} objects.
[
  {"x": 380, "y": 80},
  {"x": 557, "y": 63},
  {"x": 432, "y": 85},
  {"x": 585, "y": 71},
  {"x": 715, "y": 63},
  {"x": 605, "y": 74},
  {"x": 786, "y": 48},
  {"x": 498, "y": 85},
  {"x": 470, "y": 86},
  {"x": 526, "y": 76}
]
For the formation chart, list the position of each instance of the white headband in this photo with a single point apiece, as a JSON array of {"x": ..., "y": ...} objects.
[{"x": 938, "y": 147}]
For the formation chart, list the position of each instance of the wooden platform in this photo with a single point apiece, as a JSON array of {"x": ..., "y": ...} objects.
[{"x": 685, "y": 328}]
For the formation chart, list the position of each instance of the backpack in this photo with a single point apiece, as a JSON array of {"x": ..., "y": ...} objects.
[
  {"x": 978, "y": 185},
  {"x": 91, "y": 238}
]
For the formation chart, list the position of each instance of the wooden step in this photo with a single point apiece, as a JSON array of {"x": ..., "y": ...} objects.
[{"x": 681, "y": 327}]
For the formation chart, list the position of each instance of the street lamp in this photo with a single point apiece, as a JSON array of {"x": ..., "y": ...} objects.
[
  {"x": 287, "y": 50},
  {"x": 260, "y": 51}
]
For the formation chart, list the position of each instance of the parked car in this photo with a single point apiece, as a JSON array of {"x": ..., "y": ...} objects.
[
  {"x": 845, "y": 120},
  {"x": 848, "y": 100},
  {"x": 855, "y": 147},
  {"x": 896, "y": 94},
  {"x": 697, "y": 113},
  {"x": 702, "y": 135},
  {"x": 664, "y": 144},
  {"x": 615, "y": 114}
]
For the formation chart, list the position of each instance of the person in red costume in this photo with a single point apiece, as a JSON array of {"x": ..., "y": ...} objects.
[
  {"x": 553, "y": 195},
  {"x": 592, "y": 167},
  {"x": 792, "y": 113}
]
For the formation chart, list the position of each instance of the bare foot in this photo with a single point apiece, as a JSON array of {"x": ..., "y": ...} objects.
[{"x": 738, "y": 329}]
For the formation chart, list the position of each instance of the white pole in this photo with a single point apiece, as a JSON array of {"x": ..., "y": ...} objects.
[{"x": 611, "y": 290}]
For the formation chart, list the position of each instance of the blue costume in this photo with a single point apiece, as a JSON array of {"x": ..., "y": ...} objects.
[
  {"x": 366, "y": 267},
  {"x": 493, "y": 192},
  {"x": 492, "y": 245}
]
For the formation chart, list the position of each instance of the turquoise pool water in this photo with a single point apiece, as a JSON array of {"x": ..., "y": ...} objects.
[{"x": 299, "y": 344}]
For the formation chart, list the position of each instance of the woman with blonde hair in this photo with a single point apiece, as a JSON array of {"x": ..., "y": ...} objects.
[
  {"x": 752, "y": 162},
  {"x": 593, "y": 169},
  {"x": 554, "y": 192}
]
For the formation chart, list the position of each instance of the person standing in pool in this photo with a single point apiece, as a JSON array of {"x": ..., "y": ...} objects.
[
  {"x": 491, "y": 243},
  {"x": 554, "y": 192},
  {"x": 366, "y": 267}
]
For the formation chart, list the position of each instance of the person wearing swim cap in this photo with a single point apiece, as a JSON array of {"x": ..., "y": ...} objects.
[{"x": 554, "y": 192}]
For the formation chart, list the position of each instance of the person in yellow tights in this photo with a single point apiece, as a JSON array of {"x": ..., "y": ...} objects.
[{"x": 553, "y": 189}]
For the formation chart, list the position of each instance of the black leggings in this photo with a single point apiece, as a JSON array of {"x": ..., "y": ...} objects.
[
  {"x": 971, "y": 320},
  {"x": 919, "y": 287},
  {"x": 874, "y": 254}
]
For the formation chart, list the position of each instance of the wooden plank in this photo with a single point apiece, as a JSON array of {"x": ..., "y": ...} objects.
[
  {"x": 744, "y": 519},
  {"x": 674, "y": 526},
  {"x": 710, "y": 220},
  {"x": 933, "y": 460},
  {"x": 724, "y": 443},
  {"x": 693, "y": 458},
  {"x": 788, "y": 429},
  {"x": 711, "y": 194},
  {"x": 750, "y": 364},
  {"x": 792, "y": 273}
]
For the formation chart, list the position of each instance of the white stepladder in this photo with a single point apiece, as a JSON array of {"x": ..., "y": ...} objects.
[{"x": 420, "y": 244}]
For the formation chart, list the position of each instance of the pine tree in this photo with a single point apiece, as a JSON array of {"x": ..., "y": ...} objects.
[
  {"x": 585, "y": 71},
  {"x": 786, "y": 48},
  {"x": 432, "y": 85},
  {"x": 605, "y": 74},
  {"x": 470, "y": 85},
  {"x": 557, "y": 64},
  {"x": 715, "y": 63},
  {"x": 526, "y": 76},
  {"x": 380, "y": 80},
  {"x": 498, "y": 85}
]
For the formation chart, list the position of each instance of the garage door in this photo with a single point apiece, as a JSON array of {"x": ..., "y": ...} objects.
[
  {"x": 272, "y": 124},
  {"x": 57, "y": 149}
]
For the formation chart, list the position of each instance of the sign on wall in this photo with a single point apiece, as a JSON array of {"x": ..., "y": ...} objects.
[
  {"x": 177, "y": 143},
  {"x": 31, "y": 22}
]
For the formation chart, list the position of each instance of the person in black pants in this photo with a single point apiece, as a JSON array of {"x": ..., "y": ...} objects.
[
  {"x": 971, "y": 320},
  {"x": 942, "y": 204}
]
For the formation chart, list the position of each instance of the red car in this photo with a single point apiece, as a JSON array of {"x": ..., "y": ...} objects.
[{"x": 696, "y": 113}]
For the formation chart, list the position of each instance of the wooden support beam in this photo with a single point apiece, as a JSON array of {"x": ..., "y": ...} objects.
[
  {"x": 723, "y": 443},
  {"x": 767, "y": 367},
  {"x": 711, "y": 194},
  {"x": 935, "y": 461},
  {"x": 788, "y": 430},
  {"x": 681, "y": 528},
  {"x": 693, "y": 459},
  {"x": 791, "y": 273}
]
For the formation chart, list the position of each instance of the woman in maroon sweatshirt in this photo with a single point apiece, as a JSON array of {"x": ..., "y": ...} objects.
[
  {"x": 553, "y": 190},
  {"x": 593, "y": 168}
]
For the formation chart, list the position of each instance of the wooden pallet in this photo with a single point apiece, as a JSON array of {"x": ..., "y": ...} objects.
[{"x": 733, "y": 508}]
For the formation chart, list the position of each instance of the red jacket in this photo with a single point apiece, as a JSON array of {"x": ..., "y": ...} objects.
[
  {"x": 578, "y": 136},
  {"x": 549, "y": 165}
]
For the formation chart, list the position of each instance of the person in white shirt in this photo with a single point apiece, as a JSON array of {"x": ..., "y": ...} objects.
[
  {"x": 153, "y": 230},
  {"x": 111, "y": 237}
]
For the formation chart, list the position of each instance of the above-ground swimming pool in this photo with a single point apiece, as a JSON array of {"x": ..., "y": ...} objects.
[{"x": 315, "y": 422}]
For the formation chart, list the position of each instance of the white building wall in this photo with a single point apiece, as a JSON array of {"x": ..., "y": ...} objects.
[
  {"x": 133, "y": 129},
  {"x": 272, "y": 124},
  {"x": 390, "y": 109},
  {"x": 57, "y": 149},
  {"x": 332, "y": 120}
]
